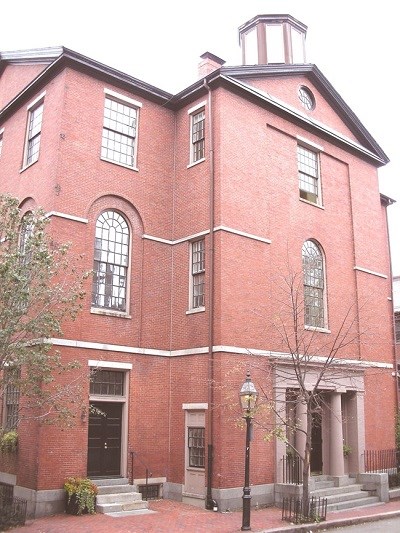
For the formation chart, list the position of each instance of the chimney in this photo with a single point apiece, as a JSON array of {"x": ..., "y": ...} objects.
[{"x": 209, "y": 63}]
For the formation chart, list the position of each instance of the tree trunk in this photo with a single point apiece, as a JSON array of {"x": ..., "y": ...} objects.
[{"x": 306, "y": 463}]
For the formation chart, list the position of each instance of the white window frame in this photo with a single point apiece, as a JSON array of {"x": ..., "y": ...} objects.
[
  {"x": 31, "y": 133},
  {"x": 194, "y": 276},
  {"x": 314, "y": 149},
  {"x": 112, "y": 311},
  {"x": 1, "y": 140},
  {"x": 324, "y": 326},
  {"x": 193, "y": 112},
  {"x": 132, "y": 104}
]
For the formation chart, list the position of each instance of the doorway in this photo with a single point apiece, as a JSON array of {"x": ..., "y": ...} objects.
[
  {"x": 104, "y": 439},
  {"x": 316, "y": 444}
]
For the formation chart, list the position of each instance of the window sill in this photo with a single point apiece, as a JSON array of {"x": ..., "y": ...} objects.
[
  {"x": 312, "y": 203},
  {"x": 197, "y": 310},
  {"x": 320, "y": 330},
  {"x": 27, "y": 166},
  {"x": 109, "y": 312},
  {"x": 196, "y": 163},
  {"x": 119, "y": 164}
]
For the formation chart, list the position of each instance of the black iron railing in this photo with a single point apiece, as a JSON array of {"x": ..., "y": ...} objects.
[
  {"x": 292, "y": 469},
  {"x": 384, "y": 461},
  {"x": 146, "y": 489},
  {"x": 292, "y": 510},
  {"x": 12, "y": 510}
]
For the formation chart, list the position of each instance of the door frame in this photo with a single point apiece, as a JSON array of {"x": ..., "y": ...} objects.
[{"x": 124, "y": 400}]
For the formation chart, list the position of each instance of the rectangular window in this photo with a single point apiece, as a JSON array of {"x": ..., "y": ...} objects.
[
  {"x": 308, "y": 168},
  {"x": 198, "y": 274},
  {"x": 198, "y": 136},
  {"x": 34, "y": 134},
  {"x": 397, "y": 327},
  {"x": 11, "y": 399},
  {"x": 119, "y": 132},
  {"x": 107, "y": 383},
  {"x": 196, "y": 445}
]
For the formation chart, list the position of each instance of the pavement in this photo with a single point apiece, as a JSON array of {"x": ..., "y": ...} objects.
[{"x": 167, "y": 516}]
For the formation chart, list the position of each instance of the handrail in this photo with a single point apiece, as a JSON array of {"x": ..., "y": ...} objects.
[{"x": 148, "y": 473}]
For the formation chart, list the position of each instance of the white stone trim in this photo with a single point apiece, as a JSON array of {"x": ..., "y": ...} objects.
[
  {"x": 307, "y": 142},
  {"x": 194, "y": 406},
  {"x": 196, "y": 107},
  {"x": 206, "y": 232},
  {"x": 109, "y": 364},
  {"x": 122, "y": 97},
  {"x": 242, "y": 234},
  {"x": 67, "y": 216},
  {"x": 36, "y": 100},
  {"x": 178, "y": 241},
  {"x": 367, "y": 271},
  {"x": 315, "y": 359}
]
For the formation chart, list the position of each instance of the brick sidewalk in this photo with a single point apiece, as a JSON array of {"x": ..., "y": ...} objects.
[{"x": 170, "y": 517}]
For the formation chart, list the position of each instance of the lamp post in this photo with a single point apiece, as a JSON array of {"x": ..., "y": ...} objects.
[{"x": 248, "y": 399}]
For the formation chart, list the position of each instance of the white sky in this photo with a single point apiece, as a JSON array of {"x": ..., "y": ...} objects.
[{"x": 353, "y": 43}]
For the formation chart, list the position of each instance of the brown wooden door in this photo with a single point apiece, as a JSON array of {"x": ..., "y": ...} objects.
[{"x": 104, "y": 444}]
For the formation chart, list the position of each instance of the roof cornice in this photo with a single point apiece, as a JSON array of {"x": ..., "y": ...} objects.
[
  {"x": 69, "y": 58},
  {"x": 324, "y": 86}
]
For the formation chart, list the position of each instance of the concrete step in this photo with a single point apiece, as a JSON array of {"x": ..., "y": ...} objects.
[
  {"x": 118, "y": 497},
  {"x": 351, "y": 504},
  {"x": 323, "y": 492},
  {"x": 135, "y": 505},
  {"x": 100, "y": 482},
  {"x": 116, "y": 489},
  {"x": 348, "y": 496},
  {"x": 320, "y": 485}
]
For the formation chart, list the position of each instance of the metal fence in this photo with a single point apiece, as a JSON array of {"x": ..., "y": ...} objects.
[
  {"x": 12, "y": 510},
  {"x": 384, "y": 461},
  {"x": 292, "y": 510},
  {"x": 292, "y": 469}
]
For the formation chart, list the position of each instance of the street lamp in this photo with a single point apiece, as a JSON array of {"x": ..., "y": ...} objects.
[{"x": 248, "y": 399}]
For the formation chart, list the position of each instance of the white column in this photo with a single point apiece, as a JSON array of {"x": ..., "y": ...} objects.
[
  {"x": 336, "y": 444},
  {"x": 280, "y": 447}
]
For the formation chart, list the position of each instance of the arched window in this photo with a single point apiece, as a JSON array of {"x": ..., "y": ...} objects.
[
  {"x": 111, "y": 256},
  {"x": 314, "y": 281}
]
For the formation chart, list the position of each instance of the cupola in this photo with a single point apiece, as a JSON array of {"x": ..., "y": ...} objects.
[{"x": 273, "y": 39}]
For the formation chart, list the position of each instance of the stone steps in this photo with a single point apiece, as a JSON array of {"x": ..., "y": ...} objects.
[
  {"x": 348, "y": 495},
  {"x": 117, "y": 498}
]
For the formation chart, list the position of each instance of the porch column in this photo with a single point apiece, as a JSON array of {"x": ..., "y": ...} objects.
[
  {"x": 301, "y": 415},
  {"x": 280, "y": 448},
  {"x": 336, "y": 440}
]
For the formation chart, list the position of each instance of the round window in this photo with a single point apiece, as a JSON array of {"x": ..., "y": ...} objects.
[{"x": 306, "y": 98}]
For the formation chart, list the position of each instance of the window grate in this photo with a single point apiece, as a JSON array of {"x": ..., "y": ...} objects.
[{"x": 107, "y": 383}]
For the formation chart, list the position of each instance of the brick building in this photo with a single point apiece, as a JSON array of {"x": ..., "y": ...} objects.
[{"x": 192, "y": 209}]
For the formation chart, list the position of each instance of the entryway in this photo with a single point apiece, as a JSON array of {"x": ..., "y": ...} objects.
[{"x": 104, "y": 440}]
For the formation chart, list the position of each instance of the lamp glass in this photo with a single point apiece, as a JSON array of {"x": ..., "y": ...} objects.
[{"x": 248, "y": 395}]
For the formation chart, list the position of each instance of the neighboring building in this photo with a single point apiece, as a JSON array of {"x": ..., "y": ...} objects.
[{"x": 192, "y": 209}]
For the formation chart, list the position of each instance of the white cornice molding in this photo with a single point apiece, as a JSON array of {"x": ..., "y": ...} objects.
[
  {"x": 367, "y": 271},
  {"x": 354, "y": 363},
  {"x": 68, "y": 217}
]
